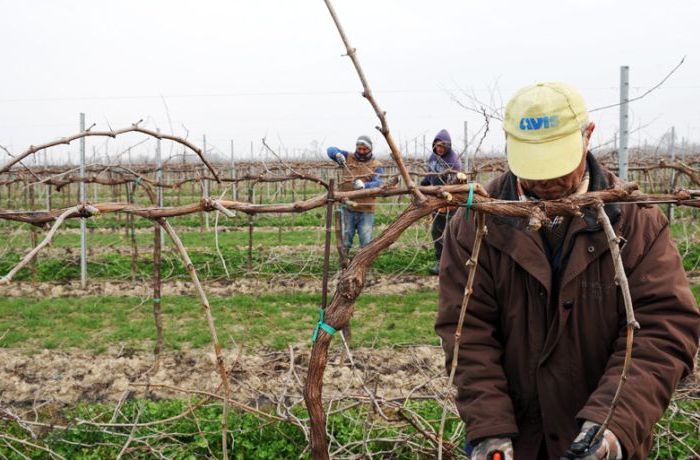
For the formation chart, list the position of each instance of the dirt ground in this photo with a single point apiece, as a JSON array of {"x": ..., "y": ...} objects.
[
  {"x": 67, "y": 377},
  {"x": 77, "y": 376},
  {"x": 377, "y": 285}
]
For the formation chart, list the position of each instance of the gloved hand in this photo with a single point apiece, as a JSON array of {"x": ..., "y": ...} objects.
[
  {"x": 340, "y": 158},
  {"x": 493, "y": 449},
  {"x": 358, "y": 184},
  {"x": 607, "y": 448},
  {"x": 334, "y": 153}
]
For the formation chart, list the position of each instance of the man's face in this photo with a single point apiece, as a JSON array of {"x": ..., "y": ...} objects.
[
  {"x": 552, "y": 189},
  {"x": 440, "y": 149},
  {"x": 361, "y": 149}
]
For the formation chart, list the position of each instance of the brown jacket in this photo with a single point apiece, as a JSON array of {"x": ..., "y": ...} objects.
[
  {"x": 517, "y": 376},
  {"x": 364, "y": 170}
]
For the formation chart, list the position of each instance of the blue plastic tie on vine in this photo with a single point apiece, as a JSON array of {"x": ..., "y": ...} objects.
[
  {"x": 470, "y": 199},
  {"x": 322, "y": 325}
]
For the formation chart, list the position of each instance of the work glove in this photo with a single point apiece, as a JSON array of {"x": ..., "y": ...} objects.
[
  {"x": 340, "y": 158},
  {"x": 607, "y": 448},
  {"x": 493, "y": 449},
  {"x": 358, "y": 184}
]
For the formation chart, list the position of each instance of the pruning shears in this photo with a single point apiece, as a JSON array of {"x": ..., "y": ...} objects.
[{"x": 496, "y": 455}]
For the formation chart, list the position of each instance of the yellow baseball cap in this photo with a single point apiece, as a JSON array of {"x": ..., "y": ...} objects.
[{"x": 543, "y": 125}]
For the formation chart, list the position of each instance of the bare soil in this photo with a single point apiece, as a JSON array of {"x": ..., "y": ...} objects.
[
  {"x": 70, "y": 376},
  {"x": 77, "y": 376},
  {"x": 377, "y": 285}
]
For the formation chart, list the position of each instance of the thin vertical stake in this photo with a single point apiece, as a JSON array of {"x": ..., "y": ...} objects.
[
  {"x": 206, "y": 182},
  {"x": 624, "y": 121},
  {"x": 672, "y": 154},
  {"x": 465, "y": 160},
  {"x": 159, "y": 191},
  {"x": 83, "y": 220}
]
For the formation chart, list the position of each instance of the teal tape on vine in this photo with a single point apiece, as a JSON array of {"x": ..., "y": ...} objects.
[
  {"x": 470, "y": 199},
  {"x": 327, "y": 328}
]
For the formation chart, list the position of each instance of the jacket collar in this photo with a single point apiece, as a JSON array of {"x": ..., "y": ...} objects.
[
  {"x": 363, "y": 158},
  {"x": 525, "y": 247}
]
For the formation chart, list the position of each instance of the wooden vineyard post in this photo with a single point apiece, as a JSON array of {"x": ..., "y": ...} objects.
[
  {"x": 115, "y": 197},
  {"x": 202, "y": 218},
  {"x": 205, "y": 185},
  {"x": 131, "y": 231},
  {"x": 179, "y": 189},
  {"x": 48, "y": 197},
  {"x": 342, "y": 255},
  {"x": 327, "y": 246}
]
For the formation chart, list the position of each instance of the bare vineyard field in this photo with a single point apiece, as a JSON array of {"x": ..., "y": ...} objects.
[{"x": 79, "y": 378}]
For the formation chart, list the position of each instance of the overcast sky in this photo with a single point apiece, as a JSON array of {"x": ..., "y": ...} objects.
[{"x": 242, "y": 70}]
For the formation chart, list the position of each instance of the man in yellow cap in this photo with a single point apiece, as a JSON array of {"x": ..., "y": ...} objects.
[{"x": 544, "y": 339}]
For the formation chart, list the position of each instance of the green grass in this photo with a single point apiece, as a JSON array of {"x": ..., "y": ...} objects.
[
  {"x": 228, "y": 237},
  {"x": 690, "y": 252},
  {"x": 676, "y": 421},
  {"x": 696, "y": 292},
  {"x": 199, "y": 435},
  {"x": 255, "y": 437},
  {"x": 275, "y": 320},
  {"x": 685, "y": 231},
  {"x": 114, "y": 259},
  {"x": 265, "y": 260}
]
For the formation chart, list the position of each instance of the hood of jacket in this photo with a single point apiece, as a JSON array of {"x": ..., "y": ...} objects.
[{"x": 450, "y": 160}]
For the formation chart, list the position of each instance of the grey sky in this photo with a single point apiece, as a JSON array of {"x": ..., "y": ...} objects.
[{"x": 242, "y": 70}]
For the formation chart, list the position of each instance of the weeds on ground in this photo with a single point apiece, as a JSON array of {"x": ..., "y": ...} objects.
[{"x": 268, "y": 320}]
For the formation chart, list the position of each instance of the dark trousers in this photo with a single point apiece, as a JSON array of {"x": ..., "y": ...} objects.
[{"x": 437, "y": 231}]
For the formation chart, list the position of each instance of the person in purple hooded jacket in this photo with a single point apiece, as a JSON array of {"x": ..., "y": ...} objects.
[{"x": 443, "y": 166}]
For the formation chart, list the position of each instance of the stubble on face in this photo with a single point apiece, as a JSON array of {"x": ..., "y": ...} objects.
[{"x": 560, "y": 187}]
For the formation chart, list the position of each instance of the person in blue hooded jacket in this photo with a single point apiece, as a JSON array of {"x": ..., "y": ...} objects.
[
  {"x": 360, "y": 171},
  {"x": 443, "y": 167}
]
